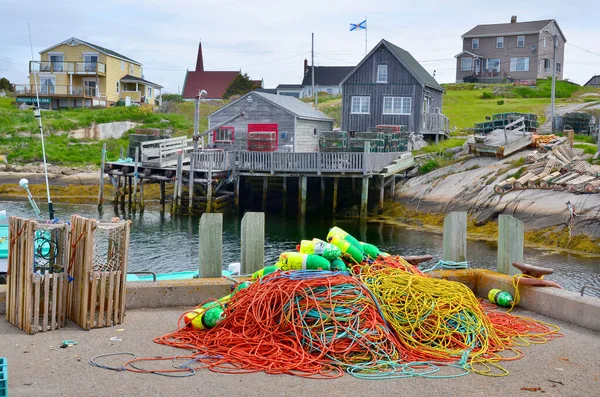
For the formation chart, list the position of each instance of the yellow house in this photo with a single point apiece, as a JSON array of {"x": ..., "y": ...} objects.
[{"x": 76, "y": 73}]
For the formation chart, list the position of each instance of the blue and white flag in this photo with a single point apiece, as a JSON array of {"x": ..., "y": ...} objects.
[{"x": 358, "y": 26}]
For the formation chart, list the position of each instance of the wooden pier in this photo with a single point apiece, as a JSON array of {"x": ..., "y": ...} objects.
[{"x": 208, "y": 180}]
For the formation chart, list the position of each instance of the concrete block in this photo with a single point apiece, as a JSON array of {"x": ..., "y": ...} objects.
[
  {"x": 511, "y": 235},
  {"x": 210, "y": 256},
  {"x": 174, "y": 293},
  {"x": 253, "y": 242},
  {"x": 455, "y": 237}
]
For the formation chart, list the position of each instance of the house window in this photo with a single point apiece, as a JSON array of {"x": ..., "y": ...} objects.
[
  {"x": 397, "y": 105},
  {"x": 382, "y": 73},
  {"x": 558, "y": 66},
  {"x": 47, "y": 84},
  {"x": 315, "y": 131},
  {"x": 131, "y": 68},
  {"x": 499, "y": 42},
  {"x": 360, "y": 105},
  {"x": 118, "y": 86},
  {"x": 149, "y": 91},
  {"x": 519, "y": 64},
  {"x": 330, "y": 91},
  {"x": 122, "y": 65},
  {"x": 520, "y": 41},
  {"x": 466, "y": 64},
  {"x": 224, "y": 134},
  {"x": 475, "y": 44},
  {"x": 544, "y": 42},
  {"x": 90, "y": 62},
  {"x": 493, "y": 65},
  {"x": 56, "y": 60},
  {"x": 546, "y": 65}
]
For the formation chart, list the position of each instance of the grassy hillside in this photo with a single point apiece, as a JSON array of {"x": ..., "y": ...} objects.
[{"x": 62, "y": 150}]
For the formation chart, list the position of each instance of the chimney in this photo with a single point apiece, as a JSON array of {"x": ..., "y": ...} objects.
[
  {"x": 199, "y": 61},
  {"x": 305, "y": 65},
  {"x": 513, "y": 19}
]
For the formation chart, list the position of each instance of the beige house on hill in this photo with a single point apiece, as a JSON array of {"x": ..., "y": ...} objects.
[
  {"x": 75, "y": 73},
  {"x": 521, "y": 51}
]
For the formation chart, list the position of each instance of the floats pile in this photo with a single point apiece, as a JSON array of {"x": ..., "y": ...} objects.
[{"x": 342, "y": 306}]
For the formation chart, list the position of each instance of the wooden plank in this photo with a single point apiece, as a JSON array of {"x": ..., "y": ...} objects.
[
  {"x": 101, "y": 321},
  {"x": 510, "y": 244},
  {"x": 210, "y": 258},
  {"x": 253, "y": 242},
  {"x": 125, "y": 258},
  {"x": 30, "y": 258},
  {"x": 94, "y": 298},
  {"x": 111, "y": 291},
  {"x": 61, "y": 287},
  {"x": 36, "y": 304},
  {"x": 455, "y": 237},
  {"x": 46, "y": 301},
  {"x": 54, "y": 281},
  {"x": 117, "y": 299},
  {"x": 87, "y": 269}
]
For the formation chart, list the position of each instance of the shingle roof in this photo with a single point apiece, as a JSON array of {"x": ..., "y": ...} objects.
[
  {"x": 327, "y": 75},
  {"x": 214, "y": 83},
  {"x": 413, "y": 65},
  {"x": 594, "y": 81},
  {"x": 288, "y": 86},
  {"x": 290, "y": 104},
  {"x": 528, "y": 27},
  {"x": 96, "y": 47},
  {"x": 133, "y": 79}
]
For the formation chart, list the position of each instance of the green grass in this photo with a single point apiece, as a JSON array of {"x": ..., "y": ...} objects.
[
  {"x": 587, "y": 149},
  {"x": 543, "y": 89},
  {"x": 581, "y": 138},
  {"x": 443, "y": 145}
]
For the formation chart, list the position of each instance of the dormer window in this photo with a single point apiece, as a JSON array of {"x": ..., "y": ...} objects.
[
  {"x": 475, "y": 44},
  {"x": 382, "y": 73}
]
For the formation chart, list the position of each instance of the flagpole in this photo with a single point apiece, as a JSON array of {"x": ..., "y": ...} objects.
[{"x": 366, "y": 26}]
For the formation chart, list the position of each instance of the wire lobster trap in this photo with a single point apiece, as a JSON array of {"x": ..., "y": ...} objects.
[
  {"x": 98, "y": 266},
  {"x": 36, "y": 277}
]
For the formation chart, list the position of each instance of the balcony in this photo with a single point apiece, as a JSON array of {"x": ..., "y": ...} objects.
[
  {"x": 85, "y": 68},
  {"x": 57, "y": 91}
]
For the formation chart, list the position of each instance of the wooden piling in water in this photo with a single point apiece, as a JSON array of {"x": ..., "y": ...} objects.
[
  {"x": 364, "y": 197},
  {"x": 210, "y": 257},
  {"x": 176, "y": 204},
  {"x": 336, "y": 181},
  {"x": 322, "y": 192},
  {"x": 135, "y": 180},
  {"x": 381, "y": 194},
  {"x": 511, "y": 234},
  {"x": 191, "y": 185},
  {"x": 237, "y": 194},
  {"x": 455, "y": 237},
  {"x": 264, "y": 193},
  {"x": 302, "y": 195},
  {"x": 162, "y": 196},
  {"x": 129, "y": 191},
  {"x": 101, "y": 191},
  {"x": 209, "y": 187},
  {"x": 284, "y": 193},
  {"x": 142, "y": 202},
  {"x": 253, "y": 242}
]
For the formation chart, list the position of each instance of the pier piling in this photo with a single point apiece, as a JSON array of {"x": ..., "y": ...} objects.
[
  {"x": 336, "y": 181},
  {"x": 302, "y": 195},
  {"x": 511, "y": 233},
  {"x": 364, "y": 197},
  {"x": 253, "y": 242},
  {"x": 101, "y": 191},
  {"x": 210, "y": 260},
  {"x": 455, "y": 237}
]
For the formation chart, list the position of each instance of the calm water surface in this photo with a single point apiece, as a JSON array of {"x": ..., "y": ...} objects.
[{"x": 162, "y": 244}]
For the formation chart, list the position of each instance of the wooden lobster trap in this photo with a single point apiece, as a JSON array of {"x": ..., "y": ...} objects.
[
  {"x": 98, "y": 266},
  {"x": 36, "y": 278}
]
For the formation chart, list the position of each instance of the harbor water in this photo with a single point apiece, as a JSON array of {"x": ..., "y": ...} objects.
[{"x": 163, "y": 244}]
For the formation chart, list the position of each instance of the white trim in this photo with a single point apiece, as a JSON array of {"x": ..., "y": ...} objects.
[
  {"x": 521, "y": 46},
  {"x": 386, "y": 74},
  {"x": 360, "y": 103},
  {"x": 473, "y": 43},
  {"x": 394, "y": 99},
  {"x": 466, "y": 52},
  {"x": 122, "y": 64},
  {"x": 463, "y": 69},
  {"x": 499, "y": 37}
]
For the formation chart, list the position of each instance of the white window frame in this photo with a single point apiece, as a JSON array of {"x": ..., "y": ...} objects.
[
  {"x": 62, "y": 63},
  {"x": 544, "y": 42},
  {"x": 362, "y": 100},
  {"x": 122, "y": 65},
  {"x": 50, "y": 77},
  {"x": 500, "y": 42},
  {"x": 519, "y": 41},
  {"x": 224, "y": 134},
  {"x": 463, "y": 68},
  {"x": 149, "y": 91},
  {"x": 118, "y": 86},
  {"x": 487, "y": 65},
  {"x": 397, "y": 105},
  {"x": 548, "y": 62},
  {"x": 131, "y": 69},
  {"x": 558, "y": 67},
  {"x": 382, "y": 70},
  {"x": 475, "y": 43},
  {"x": 513, "y": 64}
]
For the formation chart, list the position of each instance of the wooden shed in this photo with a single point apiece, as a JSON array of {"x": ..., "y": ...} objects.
[{"x": 283, "y": 123}]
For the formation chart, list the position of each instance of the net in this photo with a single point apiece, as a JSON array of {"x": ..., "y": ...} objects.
[{"x": 109, "y": 247}]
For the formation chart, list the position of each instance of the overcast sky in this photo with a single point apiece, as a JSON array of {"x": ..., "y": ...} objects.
[{"x": 269, "y": 39}]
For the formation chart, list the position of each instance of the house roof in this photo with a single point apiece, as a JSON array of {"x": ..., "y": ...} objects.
[
  {"x": 290, "y": 104},
  {"x": 289, "y": 86},
  {"x": 133, "y": 79},
  {"x": 468, "y": 53},
  {"x": 267, "y": 90},
  {"x": 74, "y": 41},
  {"x": 327, "y": 75},
  {"x": 592, "y": 80},
  {"x": 511, "y": 29},
  {"x": 407, "y": 60},
  {"x": 214, "y": 83}
]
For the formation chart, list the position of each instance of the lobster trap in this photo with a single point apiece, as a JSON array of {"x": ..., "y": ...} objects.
[
  {"x": 36, "y": 278},
  {"x": 98, "y": 266}
]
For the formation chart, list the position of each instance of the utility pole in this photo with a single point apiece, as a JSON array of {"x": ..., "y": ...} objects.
[
  {"x": 313, "y": 63},
  {"x": 197, "y": 120},
  {"x": 553, "y": 99}
]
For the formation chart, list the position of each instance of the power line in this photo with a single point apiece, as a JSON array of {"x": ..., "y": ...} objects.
[{"x": 584, "y": 50}]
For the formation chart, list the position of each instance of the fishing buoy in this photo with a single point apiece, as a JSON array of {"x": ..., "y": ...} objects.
[
  {"x": 343, "y": 235},
  {"x": 319, "y": 247},
  {"x": 298, "y": 261},
  {"x": 200, "y": 319},
  {"x": 240, "y": 286},
  {"x": 338, "y": 265},
  {"x": 347, "y": 249},
  {"x": 501, "y": 298},
  {"x": 370, "y": 250},
  {"x": 264, "y": 271}
]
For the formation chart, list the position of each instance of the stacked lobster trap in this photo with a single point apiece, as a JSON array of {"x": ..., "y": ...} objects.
[{"x": 59, "y": 271}]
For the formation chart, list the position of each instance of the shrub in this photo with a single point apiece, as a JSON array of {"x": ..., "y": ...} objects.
[
  {"x": 500, "y": 102},
  {"x": 487, "y": 95},
  {"x": 429, "y": 166}
]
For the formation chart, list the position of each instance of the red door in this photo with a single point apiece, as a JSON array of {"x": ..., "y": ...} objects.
[{"x": 263, "y": 137}]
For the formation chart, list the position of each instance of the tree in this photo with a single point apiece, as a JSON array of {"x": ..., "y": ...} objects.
[
  {"x": 5, "y": 85},
  {"x": 239, "y": 86}
]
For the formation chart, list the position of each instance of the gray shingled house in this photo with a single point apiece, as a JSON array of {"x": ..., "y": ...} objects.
[
  {"x": 283, "y": 123},
  {"x": 390, "y": 87},
  {"x": 594, "y": 82},
  {"x": 327, "y": 79},
  {"x": 521, "y": 51}
]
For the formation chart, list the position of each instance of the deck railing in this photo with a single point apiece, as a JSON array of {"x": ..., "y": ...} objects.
[
  {"x": 77, "y": 91},
  {"x": 435, "y": 122},
  {"x": 66, "y": 66}
]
